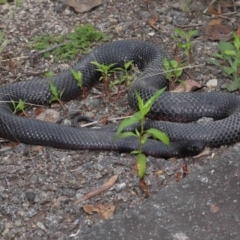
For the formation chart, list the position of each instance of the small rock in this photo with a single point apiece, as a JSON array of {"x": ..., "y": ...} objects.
[
  {"x": 30, "y": 196},
  {"x": 49, "y": 115},
  {"x": 212, "y": 83},
  {"x": 93, "y": 102},
  {"x": 120, "y": 186},
  {"x": 2, "y": 189}
]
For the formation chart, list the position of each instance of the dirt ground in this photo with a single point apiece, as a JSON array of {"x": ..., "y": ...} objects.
[{"x": 39, "y": 185}]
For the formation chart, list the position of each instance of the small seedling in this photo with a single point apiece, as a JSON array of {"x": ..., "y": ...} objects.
[
  {"x": 106, "y": 71},
  {"x": 125, "y": 77},
  {"x": 228, "y": 60},
  {"x": 183, "y": 41},
  {"x": 19, "y": 106},
  {"x": 49, "y": 74},
  {"x": 173, "y": 70},
  {"x": 77, "y": 75},
  {"x": 56, "y": 96},
  {"x": 143, "y": 134}
]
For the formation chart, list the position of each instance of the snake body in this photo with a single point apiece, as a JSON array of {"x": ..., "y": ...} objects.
[{"x": 186, "y": 138}]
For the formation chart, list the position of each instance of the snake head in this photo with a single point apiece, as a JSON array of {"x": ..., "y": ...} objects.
[{"x": 191, "y": 148}]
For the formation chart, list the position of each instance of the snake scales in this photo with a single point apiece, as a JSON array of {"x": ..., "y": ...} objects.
[{"x": 186, "y": 138}]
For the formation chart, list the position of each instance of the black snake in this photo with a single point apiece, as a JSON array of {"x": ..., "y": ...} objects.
[{"x": 186, "y": 138}]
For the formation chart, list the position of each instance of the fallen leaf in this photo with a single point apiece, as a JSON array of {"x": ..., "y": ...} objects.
[
  {"x": 211, "y": 10},
  {"x": 187, "y": 86},
  {"x": 215, "y": 30},
  {"x": 152, "y": 20},
  {"x": 108, "y": 184},
  {"x": 105, "y": 210},
  {"x": 83, "y": 5},
  {"x": 49, "y": 115}
]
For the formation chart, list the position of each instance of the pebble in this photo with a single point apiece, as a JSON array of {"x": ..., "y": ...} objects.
[
  {"x": 30, "y": 196},
  {"x": 212, "y": 83},
  {"x": 119, "y": 187}
]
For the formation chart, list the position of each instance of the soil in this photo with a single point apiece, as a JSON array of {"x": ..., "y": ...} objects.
[{"x": 39, "y": 185}]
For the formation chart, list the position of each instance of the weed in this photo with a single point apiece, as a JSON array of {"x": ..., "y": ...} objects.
[
  {"x": 56, "y": 96},
  {"x": 143, "y": 134},
  {"x": 19, "y": 106},
  {"x": 70, "y": 45},
  {"x": 49, "y": 74},
  {"x": 106, "y": 71},
  {"x": 183, "y": 41},
  {"x": 173, "y": 70},
  {"x": 77, "y": 76},
  {"x": 126, "y": 77},
  {"x": 228, "y": 60}
]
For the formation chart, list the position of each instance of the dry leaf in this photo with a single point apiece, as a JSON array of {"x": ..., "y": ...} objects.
[
  {"x": 152, "y": 21},
  {"x": 187, "y": 86},
  {"x": 215, "y": 30},
  {"x": 211, "y": 10},
  {"x": 108, "y": 184},
  {"x": 105, "y": 210},
  {"x": 83, "y": 5}
]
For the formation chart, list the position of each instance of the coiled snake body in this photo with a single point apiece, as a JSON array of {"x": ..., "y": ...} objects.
[{"x": 186, "y": 138}]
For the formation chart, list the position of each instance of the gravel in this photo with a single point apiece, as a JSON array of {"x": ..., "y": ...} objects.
[{"x": 38, "y": 185}]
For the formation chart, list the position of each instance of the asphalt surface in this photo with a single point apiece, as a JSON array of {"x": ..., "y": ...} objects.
[{"x": 205, "y": 205}]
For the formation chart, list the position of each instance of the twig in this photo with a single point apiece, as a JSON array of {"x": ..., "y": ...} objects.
[{"x": 109, "y": 119}]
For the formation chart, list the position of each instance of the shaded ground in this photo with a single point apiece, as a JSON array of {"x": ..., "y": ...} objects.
[{"x": 38, "y": 185}]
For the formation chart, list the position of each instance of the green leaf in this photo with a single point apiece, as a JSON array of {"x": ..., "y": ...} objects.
[
  {"x": 151, "y": 100},
  {"x": 141, "y": 164},
  {"x": 127, "y": 65},
  {"x": 230, "y": 53},
  {"x": 180, "y": 32},
  {"x": 192, "y": 33},
  {"x": 229, "y": 70},
  {"x": 144, "y": 138},
  {"x": 214, "y": 61},
  {"x": 188, "y": 46},
  {"x": 135, "y": 152},
  {"x": 233, "y": 86},
  {"x": 223, "y": 46},
  {"x": 140, "y": 102},
  {"x": 53, "y": 89},
  {"x": 126, "y": 123},
  {"x": 166, "y": 64},
  {"x": 159, "y": 135},
  {"x": 174, "y": 64},
  {"x": 181, "y": 45},
  {"x": 126, "y": 134},
  {"x": 137, "y": 133},
  {"x": 217, "y": 55}
]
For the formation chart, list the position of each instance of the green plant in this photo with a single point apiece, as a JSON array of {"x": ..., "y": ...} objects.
[
  {"x": 183, "y": 40},
  {"x": 106, "y": 71},
  {"x": 69, "y": 45},
  {"x": 77, "y": 75},
  {"x": 173, "y": 70},
  {"x": 228, "y": 60},
  {"x": 125, "y": 77},
  {"x": 49, "y": 74},
  {"x": 56, "y": 95},
  {"x": 142, "y": 135},
  {"x": 18, "y": 106}
]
